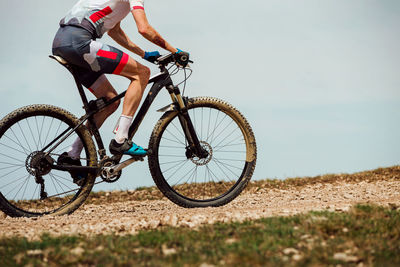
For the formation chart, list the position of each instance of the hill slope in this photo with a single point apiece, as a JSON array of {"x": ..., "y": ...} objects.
[{"x": 129, "y": 211}]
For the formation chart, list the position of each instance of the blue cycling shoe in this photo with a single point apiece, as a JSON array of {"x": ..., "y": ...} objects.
[{"x": 127, "y": 148}]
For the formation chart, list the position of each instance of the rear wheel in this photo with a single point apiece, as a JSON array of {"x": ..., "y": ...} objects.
[
  {"x": 215, "y": 180},
  {"x": 28, "y": 185}
]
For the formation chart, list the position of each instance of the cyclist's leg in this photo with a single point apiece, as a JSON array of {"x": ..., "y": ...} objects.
[
  {"x": 139, "y": 76},
  {"x": 103, "y": 88}
]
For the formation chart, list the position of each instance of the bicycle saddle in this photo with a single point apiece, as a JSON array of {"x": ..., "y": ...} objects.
[{"x": 60, "y": 60}]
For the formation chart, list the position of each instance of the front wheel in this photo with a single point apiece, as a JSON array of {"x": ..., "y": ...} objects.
[{"x": 190, "y": 181}]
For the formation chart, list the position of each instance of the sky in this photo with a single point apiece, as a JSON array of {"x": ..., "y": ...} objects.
[{"x": 317, "y": 80}]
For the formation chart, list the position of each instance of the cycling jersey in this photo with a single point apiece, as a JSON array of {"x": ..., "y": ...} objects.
[{"x": 99, "y": 16}]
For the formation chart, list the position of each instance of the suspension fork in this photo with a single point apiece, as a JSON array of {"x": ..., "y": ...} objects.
[{"x": 186, "y": 123}]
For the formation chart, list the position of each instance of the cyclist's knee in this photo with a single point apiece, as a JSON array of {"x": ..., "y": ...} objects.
[
  {"x": 144, "y": 73},
  {"x": 114, "y": 106}
]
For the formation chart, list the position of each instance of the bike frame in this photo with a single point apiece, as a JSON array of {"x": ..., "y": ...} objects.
[{"x": 159, "y": 81}]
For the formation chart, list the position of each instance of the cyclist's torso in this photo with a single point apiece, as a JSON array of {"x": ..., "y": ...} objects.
[{"x": 99, "y": 16}]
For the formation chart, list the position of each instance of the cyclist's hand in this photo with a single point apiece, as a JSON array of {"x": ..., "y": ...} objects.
[
  {"x": 181, "y": 57},
  {"x": 151, "y": 56}
]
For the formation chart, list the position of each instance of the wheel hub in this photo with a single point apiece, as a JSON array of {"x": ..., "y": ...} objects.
[
  {"x": 203, "y": 161},
  {"x": 38, "y": 164}
]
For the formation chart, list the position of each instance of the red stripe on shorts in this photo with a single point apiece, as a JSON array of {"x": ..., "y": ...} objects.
[
  {"x": 100, "y": 14},
  {"x": 107, "y": 54},
  {"x": 138, "y": 7},
  {"x": 121, "y": 64}
]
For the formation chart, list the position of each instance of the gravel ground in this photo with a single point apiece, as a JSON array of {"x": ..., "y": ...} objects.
[{"x": 129, "y": 216}]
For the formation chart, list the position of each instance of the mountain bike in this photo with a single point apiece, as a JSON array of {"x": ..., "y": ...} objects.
[{"x": 201, "y": 153}]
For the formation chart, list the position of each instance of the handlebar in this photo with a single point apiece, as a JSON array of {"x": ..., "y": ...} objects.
[{"x": 164, "y": 60}]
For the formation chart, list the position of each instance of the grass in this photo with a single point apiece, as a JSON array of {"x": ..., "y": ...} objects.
[{"x": 366, "y": 234}]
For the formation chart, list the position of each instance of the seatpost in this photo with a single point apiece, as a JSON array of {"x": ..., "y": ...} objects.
[{"x": 80, "y": 89}]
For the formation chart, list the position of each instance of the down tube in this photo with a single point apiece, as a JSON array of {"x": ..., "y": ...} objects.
[{"x": 155, "y": 89}]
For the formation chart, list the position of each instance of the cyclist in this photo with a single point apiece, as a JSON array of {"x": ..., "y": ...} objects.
[{"x": 76, "y": 42}]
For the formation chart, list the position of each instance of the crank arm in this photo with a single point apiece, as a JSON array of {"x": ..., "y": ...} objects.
[{"x": 126, "y": 163}]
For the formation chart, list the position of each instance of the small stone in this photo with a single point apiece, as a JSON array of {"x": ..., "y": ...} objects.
[
  {"x": 35, "y": 252},
  {"x": 345, "y": 230},
  {"x": 78, "y": 251},
  {"x": 288, "y": 251},
  {"x": 167, "y": 251},
  {"x": 297, "y": 257},
  {"x": 340, "y": 256},
  {"x": 230, "y": 241}
]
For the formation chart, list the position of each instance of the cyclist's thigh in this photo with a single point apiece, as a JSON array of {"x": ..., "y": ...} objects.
[{"x": 103, "y": 88}]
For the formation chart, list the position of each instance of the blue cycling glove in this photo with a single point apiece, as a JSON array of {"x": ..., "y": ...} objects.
[
  {"x": 151, "y": 56},
  {"x": 181, "y": 57}
]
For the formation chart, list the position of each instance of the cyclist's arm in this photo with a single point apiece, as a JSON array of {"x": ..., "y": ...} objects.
[
  {"x": 119, "y": 36},
  {"x": 148, "y": 32}
]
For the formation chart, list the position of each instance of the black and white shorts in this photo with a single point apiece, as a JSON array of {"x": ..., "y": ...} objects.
[{"x": 92, "y": 58}]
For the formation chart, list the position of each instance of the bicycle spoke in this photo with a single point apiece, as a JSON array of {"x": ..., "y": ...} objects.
[
  {"x": 170, "y": 162},
  {"x": 13, "y": 149},
  {"x": 13, "y": 158},
  {"x": 23, "y": 134},
  {"x": 221, "y": 132},
  {"x": 173, "y": 141},
  {"x": 48, "y": 132},
  {"x": 15, "y": 186},
  {"x": 17, "y": 140},
  {"x": 25, "y": 181},
  {"x": 225, "y": 164},
  {"x": 226, "y": 175},
  {"x": 177, "y": 183},
  {"x": 177, "y": 170},
  {"x": 5, "y": 175},
  {"x": 181, "y": 131},
  {"x": 226, "y": 137},
  {"x": 13, "y": 181},
  {"x": 183, "y": 162},
  {"x": 179, "y": 141},
  {"x": 30, "y": 129}
]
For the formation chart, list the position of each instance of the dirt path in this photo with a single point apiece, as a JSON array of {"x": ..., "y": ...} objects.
[{"x": 130, "y": 216}]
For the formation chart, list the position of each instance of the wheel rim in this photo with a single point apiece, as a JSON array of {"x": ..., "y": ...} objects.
[
  {"x": 20, "y": 156},
  {"x": 211, "y": 178}
]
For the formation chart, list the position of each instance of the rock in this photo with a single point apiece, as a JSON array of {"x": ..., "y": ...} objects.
[
  {"x": 288, "y": 251},
  {"x": 230, "y": 241},
  {"x": 340, "y": 256},
  {"x": 78, "y": 251},
  {"x": 297, "y": 257},
  {"x": 168, "y": 251},
  {"x": 35, "y": 252}
]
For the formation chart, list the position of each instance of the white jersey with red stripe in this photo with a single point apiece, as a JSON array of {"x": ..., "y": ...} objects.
[{"x": 99, "y": 16}]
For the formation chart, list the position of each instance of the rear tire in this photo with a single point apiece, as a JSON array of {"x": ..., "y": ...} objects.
[
  {"x": 227, "y": 169},
  {"x": 23, "y": 134}
]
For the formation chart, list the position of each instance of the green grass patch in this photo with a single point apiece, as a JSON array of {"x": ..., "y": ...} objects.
[{"x": 366, "y": 234}]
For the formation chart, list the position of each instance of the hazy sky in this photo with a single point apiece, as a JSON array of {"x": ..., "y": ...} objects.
[{"x": 318, "y": 80}]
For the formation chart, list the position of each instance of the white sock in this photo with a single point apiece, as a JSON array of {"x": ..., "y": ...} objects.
[
  {"x": 123, "y": 128},
  {"x": 76, "y": 149}
]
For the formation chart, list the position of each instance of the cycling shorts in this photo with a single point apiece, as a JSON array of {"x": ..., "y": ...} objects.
[{"x": 92, "y": 59}]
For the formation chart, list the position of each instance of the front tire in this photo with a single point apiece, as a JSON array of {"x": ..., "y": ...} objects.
[{"x": 190, "y": 181}]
